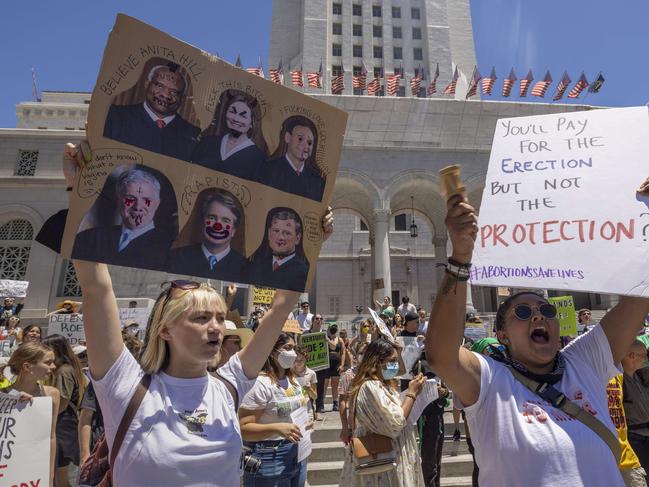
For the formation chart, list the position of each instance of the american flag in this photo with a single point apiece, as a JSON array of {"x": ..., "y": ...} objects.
[
  {"x": 580, "y": 85},
  {"x": 488, "y": 83},
  {"x": 359, "y": 81},
  {"x": 297, "y": 78},
  {"x": 450, "y": 88},
  {"x": 314, "y": 79},
  {"x": 525, "y": 84},
  {"x": 277, "y": 75},
  {"x": 596, "y": 85},
  {"x": 415, "y": 83},
  {"x": 394, "y": 81},
  {"x": 562, "y": 86},
  {"x": 338, "y": 83},
  {"x": 259, "y": 71},
  {"x": 473, "y": 87},
  {"x": 508, "y": 83},
  {"x": 374, "y": 86},
  {"x": 432, "y": 87},
  {"x": 542, "y": 86}
]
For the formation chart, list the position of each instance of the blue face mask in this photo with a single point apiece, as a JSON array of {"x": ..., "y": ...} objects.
[{"x": 390, "y": 370}]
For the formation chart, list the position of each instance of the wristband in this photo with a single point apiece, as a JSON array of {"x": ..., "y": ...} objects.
[{"x": 458, "y": 270}]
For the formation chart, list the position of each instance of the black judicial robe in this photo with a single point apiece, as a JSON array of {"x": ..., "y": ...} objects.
[
  {"x": 132, "y": 125},
  {"x": 190, "y": 260},
  {"x": 279, "y": 174},
  {"x": 244, "y": 163},
  {"x": 291, "y": 275},
  {"x": 148, "y": 251}
]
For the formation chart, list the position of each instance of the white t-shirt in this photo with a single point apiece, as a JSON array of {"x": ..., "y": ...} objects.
[
  {"x": 277, "y": 400},
  {"x": 308, "y": 378},
  {"x": 305, "y": 321},
  {"x": 522, "y": 440},
  {"x": 185, "y": 432},
  {"x": 404, "y": 309}
]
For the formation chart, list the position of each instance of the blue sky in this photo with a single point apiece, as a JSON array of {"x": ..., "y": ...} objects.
[{"x": 64, "y": 40}]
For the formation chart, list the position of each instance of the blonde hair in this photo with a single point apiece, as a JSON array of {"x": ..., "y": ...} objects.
[
  {"x": 27, "y": 353},
  {"x": 155, "y": 354}
]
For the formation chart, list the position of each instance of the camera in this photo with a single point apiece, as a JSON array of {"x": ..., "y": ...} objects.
[{"x": 249, "y": 463}]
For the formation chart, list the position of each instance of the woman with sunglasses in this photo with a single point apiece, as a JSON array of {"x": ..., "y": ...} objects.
[
  {"x": 542, "y": 444},
  {"x": 185, "y": 431}
]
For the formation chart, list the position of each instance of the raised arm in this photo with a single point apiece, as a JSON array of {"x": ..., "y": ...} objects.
[
  {"x": 622, "y": 323},
  {"x": 459, "y": 368}
]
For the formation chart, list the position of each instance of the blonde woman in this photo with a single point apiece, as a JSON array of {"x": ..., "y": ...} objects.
[
  {"x": 186, "y": 431},
  {"x": 31, "y": 364}
]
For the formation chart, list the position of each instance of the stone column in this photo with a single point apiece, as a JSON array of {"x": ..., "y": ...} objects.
[{"x": 381, "y": 253}]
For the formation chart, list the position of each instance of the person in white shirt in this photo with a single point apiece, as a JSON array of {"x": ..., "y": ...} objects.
[
  {"x": 305, "y": 317},
  {"x": 406, "y": 307},
  {"x": 543, "y": 445}
]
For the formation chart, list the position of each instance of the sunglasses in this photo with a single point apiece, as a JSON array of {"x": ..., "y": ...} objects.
[{"x": 524, "y": 311}]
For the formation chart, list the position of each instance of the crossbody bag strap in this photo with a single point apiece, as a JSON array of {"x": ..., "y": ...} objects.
[
  {"x": 132, "y": 407},
  {"x": 560, "y": 401},
  {"x": 230, "y": 387}
]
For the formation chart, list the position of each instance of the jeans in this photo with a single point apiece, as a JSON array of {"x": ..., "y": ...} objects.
[{"x": 279, "y": 466}]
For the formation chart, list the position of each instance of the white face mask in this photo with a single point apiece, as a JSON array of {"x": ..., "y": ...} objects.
[{"x": 286, "y": 358}]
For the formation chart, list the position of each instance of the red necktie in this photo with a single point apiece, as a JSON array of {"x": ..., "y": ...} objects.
[
  {"x": 298, "y": 172},
  {"x": 160, "y": 123},
  {"x": 275, "y": 266}
]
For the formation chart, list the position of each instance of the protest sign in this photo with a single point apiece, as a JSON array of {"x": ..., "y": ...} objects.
[
  {"x": 300, "y": 417},
  {"x": 410, "y": 353},
  {"x": 13, "y": 289},
  {"x": 317, "y": 350},
  {"x": 475, "y": 331},
  {"x": 194, "y": 153},
  {"x": 68, "y": 325},
  {"x": 5, "y": 348},
  {"x": 566, "y": 314},
  {"x": 560, "y": 194},
  {"x": 380, "y": 324},
  {"x": 292, "y": 326},
  {"x": 25, "y": 429},
  {"x": 139, "y": 315},
  {"x": 262, "y": 295}
]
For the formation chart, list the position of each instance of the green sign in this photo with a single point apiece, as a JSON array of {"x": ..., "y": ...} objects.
[
  {"x": 566, "y": 314},
  {"x": 317, "y": 350}
]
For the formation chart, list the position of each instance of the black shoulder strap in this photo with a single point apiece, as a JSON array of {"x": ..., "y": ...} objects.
[{"x": 230, "y": 387}]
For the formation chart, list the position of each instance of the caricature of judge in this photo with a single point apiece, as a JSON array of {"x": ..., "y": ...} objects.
[
  {"x": 279, "y": 261},
  {"x": 135, "y": 241},
  {"x": 213, "y": 257},
  {"x": 292, "y": 167},
  {"x": 155, "y": 124}
]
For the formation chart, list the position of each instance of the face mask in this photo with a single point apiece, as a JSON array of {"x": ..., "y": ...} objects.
[
  {"x": 390, "y": 370},
  {"x": 286, "y": 358}
]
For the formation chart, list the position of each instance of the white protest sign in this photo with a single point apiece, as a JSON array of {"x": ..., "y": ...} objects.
[
  {"x": 68, "y": 325},
  {"x": 475, "y": 331},
  {"x": 25, "y": 441},
  {"x": 13, "y": 289},
  {"x": 410, "y": 353},
  {"x": 5, "y": 348},
  {"x": 300, "y": 417},
  {"x": 139, "y": 315},
  {"x": 560, "y": 209},
  {"x": 380, "y": 324}
]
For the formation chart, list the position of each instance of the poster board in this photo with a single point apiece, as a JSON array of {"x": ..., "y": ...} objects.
[
  {"x": 560, "y": 208},
  {"x": 410, "y": 353},
  {"x": 68, "y": 325},
  {"x": 292, "y": 326},
  {"x": 317, "y": 350},
  {"x": 566, "y": 314},
  {"x": 13, "y": 289},
  {"x": 25, "y": 441},
  {"x": 140, "y": 315},
  {"x": 380, "y": 324},
  {"x": 475, "y": 331},
  {"x": 262, "y": 295},
  {"x": 191, "y": 152}
]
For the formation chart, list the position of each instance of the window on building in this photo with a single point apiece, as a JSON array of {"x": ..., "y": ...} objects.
[
  {"x": 415, "y": 13},
  {"x": 357, "y": 51},
  {"x": 336, "y": 70},
  {"x": 397, "y": 53},
  {"x": 416, "y": 33},
  {"x": 376, "y": 11},
  {"x": 378, "y": 52},
  {"x": 377, "y": 30},
  {"x": 15, "y": 243},
  {"x": 396, "y": 32},
  {"x": 337, "y": 28},
  {"x": 400, "y": 224},
  {"x": 69, "y": 283},
  {"x": 357, "y": 9},
  {"x": 26, "y": 163},
  {"x": 378, "y": 72},
  {"x": 418, "y": 54},
  {"x": 396, "y": 12},
  {"x": 336, "y": 49},
  {"x": 337, "y": 8},
  {"x": 334, "y": 305},
  {"x": 357, "y": 30}
]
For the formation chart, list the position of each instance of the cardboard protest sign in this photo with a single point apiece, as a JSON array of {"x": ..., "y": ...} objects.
[
  {"x": 262, "y": 295},
  {"x": 560, "y": 195},
  {"x": 70, "y": 326},
  {"x": 13, "y": 289},
  {"x": 566, "y": 314},
  {"x": 292, "y": 326},
  {"x": 201, "y": 168},
  {"x": 25, "y": 441},
  {"x": 317, "y": 350},
  {"x": 380, "y": 324}
]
